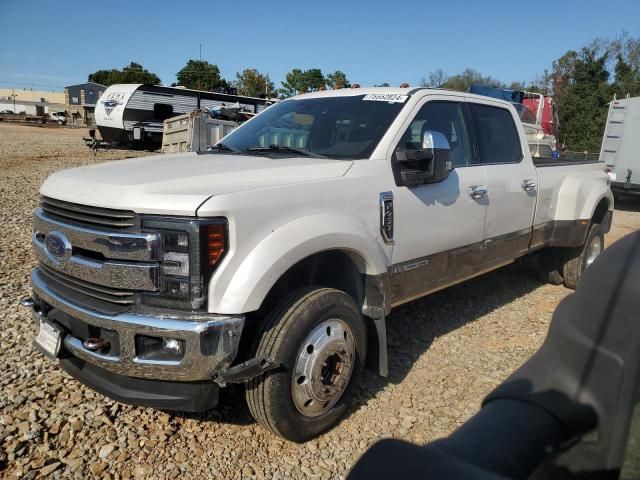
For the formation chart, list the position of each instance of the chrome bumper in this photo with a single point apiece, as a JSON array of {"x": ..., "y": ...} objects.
[{"x": 211, "y": 341}]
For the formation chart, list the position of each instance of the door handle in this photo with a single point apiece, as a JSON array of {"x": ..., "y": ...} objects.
[
  {"x": 477, "y": 192},
  {"x": 529, "y": 185}
]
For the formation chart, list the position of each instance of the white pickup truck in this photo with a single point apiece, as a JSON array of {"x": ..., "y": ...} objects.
[{"x": 275, "y": 259}]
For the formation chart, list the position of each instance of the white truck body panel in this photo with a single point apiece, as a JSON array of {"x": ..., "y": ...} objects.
[
  {"x": 280, "y": 211},
  {"x": 569, "y": 192},
  {"x": 178, "y": 184}
]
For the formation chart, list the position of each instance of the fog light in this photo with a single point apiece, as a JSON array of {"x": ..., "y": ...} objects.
[
  {"x": 159, "y": 348},
  {"x": 173, "y": 346}
]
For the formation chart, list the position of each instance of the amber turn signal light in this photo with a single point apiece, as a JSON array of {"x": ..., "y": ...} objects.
[{"x": 215, "y": 243}]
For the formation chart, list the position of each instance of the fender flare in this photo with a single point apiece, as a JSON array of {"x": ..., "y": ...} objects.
[
  {"x": 576, "y": 203},
  {"x": 245, "y": 289}
]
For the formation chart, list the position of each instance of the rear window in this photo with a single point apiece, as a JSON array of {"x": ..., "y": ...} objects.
[{"x": 498, "y": 138}]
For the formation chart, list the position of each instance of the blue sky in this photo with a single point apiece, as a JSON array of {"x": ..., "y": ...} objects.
[{"x": 52, "y": 44}]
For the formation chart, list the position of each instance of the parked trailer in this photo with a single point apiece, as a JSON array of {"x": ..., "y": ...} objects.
[
  {"x": 621, "y": 145},
  {"x": 22, "y": 118},
  {"x": 132, "y": 114},
  {"x": 193, "y": 132}
]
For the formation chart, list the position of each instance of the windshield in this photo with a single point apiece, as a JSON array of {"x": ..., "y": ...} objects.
[{"x": 332, "y": 127}]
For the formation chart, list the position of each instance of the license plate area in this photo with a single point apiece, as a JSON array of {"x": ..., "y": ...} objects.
[{"x": 49, "y": 339}]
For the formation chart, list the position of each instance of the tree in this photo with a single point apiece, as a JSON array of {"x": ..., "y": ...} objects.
[
  {"x": 627, "y": 80},
  {"x": 132, "y": 73},
  {"x": 298, "y": 81},
  {"x": 314, "y": 78},
  {"x": 385, "y": 84},
  {"x": 337, "y": 79},
  {"x": 294, "y": 83},
  {"x": 464, "y": 80},
  {"x": 254, "y": 84},
  {"x": 200, "y": 75},
  {"x": 582, "y": 93},
  {"x": 434, "y": 79}
]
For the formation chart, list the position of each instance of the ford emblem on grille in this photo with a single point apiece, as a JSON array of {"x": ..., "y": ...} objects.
[{"x": 57, "y": 246}]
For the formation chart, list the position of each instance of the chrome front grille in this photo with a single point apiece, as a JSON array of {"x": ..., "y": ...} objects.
[
  {"x": 106, "y": 264},
  {"x": 89, "y": 216},
  {"x": 107, "y": 294}
]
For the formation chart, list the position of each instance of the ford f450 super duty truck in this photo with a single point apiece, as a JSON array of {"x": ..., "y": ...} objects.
[{"x": 274, "y": 259}]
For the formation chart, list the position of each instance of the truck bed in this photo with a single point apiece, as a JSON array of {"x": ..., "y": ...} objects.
[{"x": 550, "y": 162}]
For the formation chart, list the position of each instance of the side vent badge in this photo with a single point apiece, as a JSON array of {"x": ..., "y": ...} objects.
[{"x": 386, "y": 216}]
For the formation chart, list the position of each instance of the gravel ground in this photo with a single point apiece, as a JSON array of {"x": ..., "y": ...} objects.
[{"x": 447, "y": 352}]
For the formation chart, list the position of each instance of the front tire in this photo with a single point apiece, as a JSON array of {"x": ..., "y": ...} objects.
[
  {"x": 318, "y": 335},
  {"x": 577, "y": 260}
]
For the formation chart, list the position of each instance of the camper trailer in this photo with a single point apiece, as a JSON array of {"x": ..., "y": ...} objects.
[
  {"x": 621, "y": 145},
  {"x": 132, "y": 115}
]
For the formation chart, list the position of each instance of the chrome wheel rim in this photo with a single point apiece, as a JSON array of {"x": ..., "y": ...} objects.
[
  {"x": 595, "y": 249},
  {"x": 323, "y": 367}
]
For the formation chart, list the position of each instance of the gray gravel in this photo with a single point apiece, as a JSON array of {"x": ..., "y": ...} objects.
[{"x": 446, "y": 352}]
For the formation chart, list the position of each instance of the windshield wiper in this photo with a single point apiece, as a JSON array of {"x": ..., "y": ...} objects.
[
  {"x": 285, "y": 149},
  {"x": 222, "y": 146}
]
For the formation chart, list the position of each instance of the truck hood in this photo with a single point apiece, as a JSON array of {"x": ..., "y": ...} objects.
[{"x": 178, "y": 184}]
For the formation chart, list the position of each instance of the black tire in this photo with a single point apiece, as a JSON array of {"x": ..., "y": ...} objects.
[
  {"x": 269, "y": 396},
  {"x": 576, "y": 260}
]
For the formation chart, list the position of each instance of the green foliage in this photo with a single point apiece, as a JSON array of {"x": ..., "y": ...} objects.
[
  {"x": 338, "y": 79},
  {"x": 582, "y": 100},
  {"x": 200, "y": 75},
  {"x": 627, "y": 80},
  {"x": 460, "y": 82},
  {"x": 133, "y": 73},
  {"x": 254, "y": 84},
  {"x": 298, "y": 81}
]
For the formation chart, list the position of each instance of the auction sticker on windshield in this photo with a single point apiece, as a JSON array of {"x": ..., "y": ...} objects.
[
  {"x": 48, "y": 340},
  {"x": 386, "y": 97}
]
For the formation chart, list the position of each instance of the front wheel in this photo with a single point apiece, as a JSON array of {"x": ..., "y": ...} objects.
[
  {"x": 318, "y": 335},
  {"x": 577, "y": 260}
]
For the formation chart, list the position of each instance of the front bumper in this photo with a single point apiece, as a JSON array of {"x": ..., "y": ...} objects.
[
  {"x": 211, "y": 341},
  {"x": 162, "y": 394}
]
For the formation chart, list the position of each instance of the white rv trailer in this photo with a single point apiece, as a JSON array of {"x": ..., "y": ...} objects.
[
  {"x": 621, "y": 145},
  {"x": 133, "y": 114}
]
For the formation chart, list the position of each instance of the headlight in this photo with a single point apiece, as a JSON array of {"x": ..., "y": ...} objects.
[{"x": 191, "y": 249}]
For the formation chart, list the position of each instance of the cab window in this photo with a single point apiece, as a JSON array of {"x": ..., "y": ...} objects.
[
  {"x": 446, "y": 118},
  {"x": 497, "y": 135}
]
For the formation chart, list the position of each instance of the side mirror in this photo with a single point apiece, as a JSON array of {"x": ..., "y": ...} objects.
[{"x": 429, "y": 164}]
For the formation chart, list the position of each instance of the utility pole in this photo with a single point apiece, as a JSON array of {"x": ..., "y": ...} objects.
[
  {"x": 14, "y": 95},
  {"x": 200, "y": 52}
]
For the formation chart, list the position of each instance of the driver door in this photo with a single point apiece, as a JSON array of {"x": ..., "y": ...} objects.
[{"x": 439, "y": 227}]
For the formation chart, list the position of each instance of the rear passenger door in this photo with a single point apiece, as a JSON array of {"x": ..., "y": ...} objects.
[{"x": 511, "y": 182}]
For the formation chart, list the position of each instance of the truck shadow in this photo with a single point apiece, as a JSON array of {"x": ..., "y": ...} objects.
[{"x": 411, "y": 329}]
